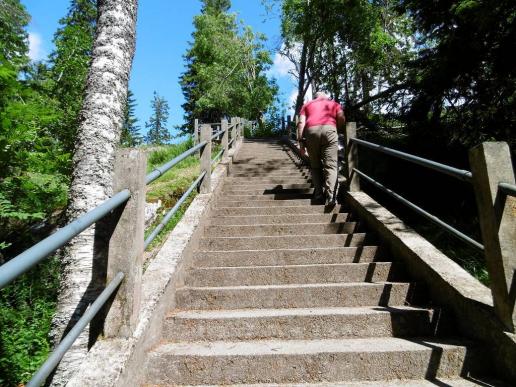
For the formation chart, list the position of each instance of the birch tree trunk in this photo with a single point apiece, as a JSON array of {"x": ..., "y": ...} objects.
[{"x": 100, "y": 123}]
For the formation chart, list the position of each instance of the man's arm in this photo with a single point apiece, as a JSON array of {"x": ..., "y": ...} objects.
[{"x": 341, "y": 122}]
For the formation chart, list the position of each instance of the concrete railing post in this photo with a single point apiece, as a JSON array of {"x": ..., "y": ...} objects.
[
  {"x": 125, "y": 252},
  {"x": 351, "y": 153},
  {"x": 289, "y": 127},
  {"x": 491, "y": 164},
  {"x": 196, "y": 131},
  {"x": 233, "y": 132},
  {"x": 225, "y": 140},
  {"x": 206, "y": 159}
]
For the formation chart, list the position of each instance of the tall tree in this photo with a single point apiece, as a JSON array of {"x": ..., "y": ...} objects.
[
  {"x": 69, "y": 65},
  {"x": 130, "y": 130},
  {"x": 464, "y": 81},
  {"x": 158, "y": 133},
  {"x": 100, "y": 124},
  {"x": 226, "y": 68}
]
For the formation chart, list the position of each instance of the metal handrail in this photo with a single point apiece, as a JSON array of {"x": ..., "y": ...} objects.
[
  {"x": 158, "y": 172},
  {"x": 451, "y": 171},
  {"x": 32, "y": 256},
  {"x": 173, "y": 211},
  {"x": 508, "y": 189},
  {"x": 420, "y": 211},
  {"x": 217, "y": 156},
  {"x": 55, "y": 357},
  {"x": 218, "y": 134},
  {"x": 231, "y": 142}
]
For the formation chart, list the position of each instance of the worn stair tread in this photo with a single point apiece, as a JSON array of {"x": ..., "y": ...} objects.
[
  {"x": 283, "y": 274},
  {"x": 444, "y": 382},
  {"x": 295, "y": 286},
  {"x": 282, "y": 229},
  {"x": 286, "y": 256},
  {"x": 282, "y": 241},
  {"x": 297, "y": 210},
  {"x": 263, "y": 203},
  {"x": 293, "y": 295},
  {"x": 237, "y": 220},
  {"x": 291, "y": 312},
  {"x": 314, "y": 346}
]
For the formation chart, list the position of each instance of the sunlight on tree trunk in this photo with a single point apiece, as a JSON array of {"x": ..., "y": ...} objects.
[{"x": 98, "y": 135}]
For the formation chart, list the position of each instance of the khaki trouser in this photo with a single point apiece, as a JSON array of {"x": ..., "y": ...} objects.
[{"x": 322, "y": 144}]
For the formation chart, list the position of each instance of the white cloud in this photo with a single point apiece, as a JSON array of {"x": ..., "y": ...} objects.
[
  {"x": 36, "y": 51},
  {"x": 282, "y": 67}
]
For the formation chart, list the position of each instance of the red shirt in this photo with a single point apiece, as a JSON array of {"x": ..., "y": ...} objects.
[{"x": 321, "y": 111}]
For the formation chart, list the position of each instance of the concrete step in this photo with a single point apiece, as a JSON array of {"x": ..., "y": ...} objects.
[
  {"x": 252, "y": 211},
  {"x": 305, "y": 256},
  {"x": 227, "y": 190},
  {"x": 297, "y": 324},
  {"x": 292, "y": 296},
  {"x": 291, "y": 274},
  {"x": 281, "y": 229},
  {"x": 266, "y": 186},
  {"x": 278, "y": 219},
  {"x": 280, "y": 196},
  {"x": 268, "y": 169},
  {"x": 271, "y": 174},
  {"x": 445, "y": 382},
  {"x": 281, "y": 242},
  {"x": 301, "y": 361},
  {"x": 264, "y": 180},
  {"x": 224, "y": 202}
]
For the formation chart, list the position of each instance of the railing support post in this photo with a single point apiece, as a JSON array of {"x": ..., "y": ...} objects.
[
  {"x": 491, "y": 164},
  {"x": 289, "y": 127},
  {"x": 125, "y": 252},
  {"x": 206, "y": 159},
  {"x": 225, "y": 140},
  {"x": 196, "y": 131},
  {"x": 351, "y": 153},
  {"x": 233, "y": 132}
]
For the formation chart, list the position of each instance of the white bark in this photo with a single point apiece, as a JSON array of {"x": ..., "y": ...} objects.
[{"x": 101, "y": 118}]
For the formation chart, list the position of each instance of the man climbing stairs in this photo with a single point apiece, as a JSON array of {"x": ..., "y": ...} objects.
[{"x": 285, "y": 292}]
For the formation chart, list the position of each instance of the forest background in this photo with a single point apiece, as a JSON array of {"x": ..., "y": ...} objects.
[{"x": 430, "y": 78}]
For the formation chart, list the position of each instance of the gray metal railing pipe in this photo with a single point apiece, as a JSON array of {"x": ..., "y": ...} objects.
[
  {"x": 422, "y": 212},
  {"x": 156, "y": 173},
  {"x": 23, "y": 262},
  {"x": 217, "y": 156},
  {"x": 231, "y": 142},
  {"x": 172, "y": 212},
  {"x": 508, "y": 189},
  {"x": 460, "y": 174},
  {"x": 51, "y": 363},
  {"x": 218, "y": 134}
]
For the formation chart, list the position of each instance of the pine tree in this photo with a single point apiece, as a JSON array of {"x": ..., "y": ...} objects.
[
  {"x": 158, "y": 133},
  {"x": 70, "y": 62},
  {"x": 225, "y": 69},
  {"x": 130, "y": 136}
]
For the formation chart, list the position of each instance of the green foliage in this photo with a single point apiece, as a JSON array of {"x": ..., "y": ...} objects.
[
  {"x": 69, "y": 65},
  {"x": 13, "y": 19},
  {"x": 26, "y": 309},
  {"x": 464, "y": 79},
  {"x": 130, "y": 136},
  {"x": 226, "y": 68},
  {"x": 158, "y": 133}
]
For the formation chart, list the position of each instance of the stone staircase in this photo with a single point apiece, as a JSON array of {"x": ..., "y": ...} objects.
[{"x": 285, "y": 292}]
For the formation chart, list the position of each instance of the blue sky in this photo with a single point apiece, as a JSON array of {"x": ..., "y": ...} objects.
[{"x": 163, "y": 32}]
